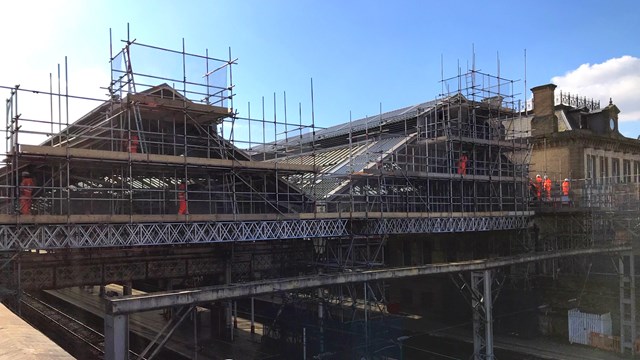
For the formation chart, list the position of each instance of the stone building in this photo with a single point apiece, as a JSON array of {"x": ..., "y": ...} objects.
[{"x": 575, "y": 138}]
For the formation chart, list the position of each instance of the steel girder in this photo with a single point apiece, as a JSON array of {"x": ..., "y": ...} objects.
[
  {"x": 445, "y": 225},
  {"x": 61, "y": 236},
  {"x": 53, "y": 236}
]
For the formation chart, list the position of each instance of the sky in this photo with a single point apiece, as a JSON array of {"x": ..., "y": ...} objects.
[{"x": 362, "y": 56}]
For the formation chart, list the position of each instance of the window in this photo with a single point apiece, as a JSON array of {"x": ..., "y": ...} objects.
[
  {"x": 626, "y": 171},
  {"x": 604, "y": 169},
  {"x": 591, "y": 168},
  {"x": 615, "y": 170},
  {"x": 636, "y": 171}
]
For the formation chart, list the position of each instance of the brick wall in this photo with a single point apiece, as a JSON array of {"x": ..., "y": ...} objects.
[
  {"x": 553, "y": 162},
  {"x": 544, "y": 122}
]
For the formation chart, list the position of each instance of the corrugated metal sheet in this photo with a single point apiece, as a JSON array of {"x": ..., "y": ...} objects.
[
  {"x": 582, "y": 324},
  {"x": 323, "y": 159},
  {"x": 377, "y": 151},
  {"x": 338, "y": 162}
]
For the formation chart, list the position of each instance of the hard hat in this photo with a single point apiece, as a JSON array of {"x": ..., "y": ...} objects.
[
  {"x": 25, "y": 173},
  {"x": 538, "y": 175},
  {"x": 545, "y": 177},
  {"x": 567, "y": 179}
]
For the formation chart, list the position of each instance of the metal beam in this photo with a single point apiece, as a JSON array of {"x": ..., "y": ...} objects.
[
  {"x": 430, "y": 225},
  {"x": 64, "y": 236},
  {"x": 137, "y": 303},
  {"x": 100, "y": 233}
]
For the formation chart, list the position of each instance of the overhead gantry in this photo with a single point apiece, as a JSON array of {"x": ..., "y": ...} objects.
[{"x": 118, "y": 310}]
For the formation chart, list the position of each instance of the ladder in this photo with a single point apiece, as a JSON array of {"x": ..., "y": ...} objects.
[{"x": 131, "y": 89}]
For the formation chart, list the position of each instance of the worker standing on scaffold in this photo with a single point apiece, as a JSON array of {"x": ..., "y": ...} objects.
[
  {"x": 182, "y": 198},
  {"x": 462, "y": 164},
  {"x": 566, "y": 187},
  {"x": 533, "y": 190},
  {"x": 547, "y": 187},
  {"x": 131, "y": 144},
  {"x": 539, "y": 187},
  {"x": 26, "y": 192}
]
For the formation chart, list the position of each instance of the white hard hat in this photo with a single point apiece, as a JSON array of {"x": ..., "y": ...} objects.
[
  {"x": 538, "y": 175},
  {"x": 545, "y": 177},
  {"x": 567, "y": 179},
  {"x": 25, "y": 173}
]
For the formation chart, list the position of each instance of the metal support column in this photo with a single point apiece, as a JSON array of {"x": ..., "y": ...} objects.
[
  {"x": 19, "y": 288},
  {"x": 195, "y": 333},
  {"x": 482, "y": 306},
  {"x": 627, "y": 303},
  {"x": 228, "y": 304},
  {"x": 488, "y": 315},
  {"x": 321, "y": 319},
  {"x": 253, "y": 324},
  {"x": 127, "y": 288},
  {"x": 235, "y": 314},
  {"x": 116, "y": 337}
]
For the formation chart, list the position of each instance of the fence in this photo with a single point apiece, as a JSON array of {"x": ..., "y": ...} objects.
[{"x": 582, "y": 324}]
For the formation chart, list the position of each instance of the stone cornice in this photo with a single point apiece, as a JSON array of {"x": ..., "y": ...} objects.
[{"x": 586, "y": 138}]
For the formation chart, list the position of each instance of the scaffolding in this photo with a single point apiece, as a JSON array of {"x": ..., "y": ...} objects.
[
  {"x": 168, "y": 160},
  {"x": 131, "y": 153},
  {"x": 151, "y": 157},
  {"x": 411, "y": 160}
]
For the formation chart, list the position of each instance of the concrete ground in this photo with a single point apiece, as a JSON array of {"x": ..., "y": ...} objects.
[
  {"x": 19, "y": 340},
  {"x": 539, "y": 347}
]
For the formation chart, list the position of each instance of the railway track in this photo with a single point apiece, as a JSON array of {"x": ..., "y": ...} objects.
[{"x": 75, "y": 337}]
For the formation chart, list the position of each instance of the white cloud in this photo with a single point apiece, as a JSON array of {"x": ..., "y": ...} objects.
[{"x": 617, "y": 78}]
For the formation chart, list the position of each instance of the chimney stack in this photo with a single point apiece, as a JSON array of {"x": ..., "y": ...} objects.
[{"x": 544, "y": 120}]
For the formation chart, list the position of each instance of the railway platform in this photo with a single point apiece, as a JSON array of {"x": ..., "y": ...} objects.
[{"x": 19, "y": 340}]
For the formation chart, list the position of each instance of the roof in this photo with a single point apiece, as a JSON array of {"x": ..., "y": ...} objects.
[
  {"x": 337, "y": 165},
  {"x": 372, "y": 122},
  {"x": 363, "y": 124}
]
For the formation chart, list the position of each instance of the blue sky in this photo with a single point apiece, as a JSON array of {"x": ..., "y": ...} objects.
[{"x": 360, "y": 54}]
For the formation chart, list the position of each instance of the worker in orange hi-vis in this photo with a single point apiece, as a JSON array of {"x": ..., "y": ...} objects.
[
  {"x": 182, "y": 198},
  {"x": 133, "y": 145},
  {"x": 462, "y": 163},
  {"x": 539, "y": 186},
  {"x": 566, "y": 186},
  {"x": 26, "y": 192},
  {"x": 547, "y": 187}
]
